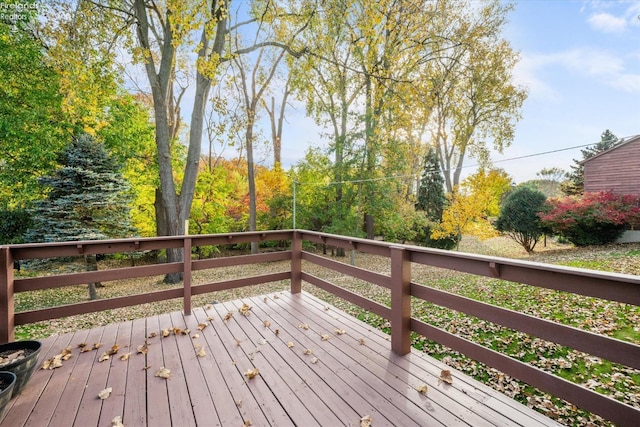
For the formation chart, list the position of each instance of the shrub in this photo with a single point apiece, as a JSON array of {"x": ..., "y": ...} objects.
[
  {"x": 13, "y": 225},
  {"x": 593, "y": 219},
  {"x": 519, "y": 219},
  {"x": 424, "y": 228}
]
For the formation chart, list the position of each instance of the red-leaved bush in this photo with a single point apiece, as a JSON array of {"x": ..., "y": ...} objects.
[{"x": 593, "y": 218}]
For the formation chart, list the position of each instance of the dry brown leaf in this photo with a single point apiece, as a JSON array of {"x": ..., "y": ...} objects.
[
  {"x": 195, "y": 336},
  {"x": 165, "y": 333},
  {"x": 103, "y": 357},
  {"x": 125, "y": 356},
  {"x": 153, "y": 335},
  {"x": 247, "y": 423},
  {"x": 53, "y": 363},
  {"x": 163, "y": 373},
  {"x": 325, "y": 337},
  {"x": 142, "y": 349},
  {"x": 251, "y": 373},
  {"x": 239, "y": 403},
  {"x": 326, "y": 308},
  {"x": 185, "y": 331},
  {"x": 445, "y": 376},
  {"x": 208, "y": 307},
  {"x": 245, "y": 310},
  {"x": 308, "y": 351},
  {"x": 97, "y": 345},
  {"x": 178, "y": 331},
  {"x": 276, "y": 297},
  {"x": 117, "y": 422},
  {"x": 238, "y": 341},
  {"x": 200, "y": 352},
  {"x": 264, "y": 299},
  {"x": 303, "y": 326},
  {"x": 201, "y": 326},
  {"x": 211, "y": 319},
  {"x": 362, "y": 341},
  {"x": 422, "y": 389},
  {"x": 290, "y": 344},
  {"x": 267, "y": 323},
  {"x": 277, "y": 332},
  {"x": 227, "y": 316},
  {"x": 85, "y": 349},
  {"x": 365, "y": 421},
  {"x": 339, "y": 331},
  {"x": 113, "y": 350},
  {"x": 146, "y": 368},
  {"x": 66, "y": 354},
  {"x": 82, "y": 345},
  {"x": 105, "y": 393},
  {"x": 314, "y": 360}
]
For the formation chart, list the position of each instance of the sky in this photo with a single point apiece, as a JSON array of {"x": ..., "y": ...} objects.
[{"x": 580, "y": 61}]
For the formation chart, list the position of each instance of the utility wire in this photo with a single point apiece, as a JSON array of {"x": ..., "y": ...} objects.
[{"x": 358, "y": 181}]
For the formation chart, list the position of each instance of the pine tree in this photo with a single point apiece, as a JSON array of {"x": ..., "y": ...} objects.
[
  {"x": 431, "y": 198},
  {"x": 574, "y": 185},
  {"x": 87, "y": 198}
]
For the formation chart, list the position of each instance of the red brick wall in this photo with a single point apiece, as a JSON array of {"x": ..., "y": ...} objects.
[{"x": 617, "y": 170}]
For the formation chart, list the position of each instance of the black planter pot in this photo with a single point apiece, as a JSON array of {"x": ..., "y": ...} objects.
[
  {"x": 22, "y": 368},
  {"x": 7, "y": 384}
]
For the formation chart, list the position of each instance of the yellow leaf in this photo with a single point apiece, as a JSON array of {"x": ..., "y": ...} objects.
[
  {"x": 105, "y": 393},
  {"x": 201, "y": 326},
  {"x": 314, "y": 360},
  {"x": 228, "y": 316},
  {"x": 245, "y": 310},
  {"x": 153, "y": 335},
  {"x": 290, "y": 344},
  {"x": 166, "y": 333},
  {"x": 325, "y": 337},
  {"x": 251, "y": 373},
  {"x": 445, "y": 376},
  {"x": 104, "y": 356},
  {"x": 200, "y": 352},
  {"x": 247, "y": 423},
  {"x": 125, "y": 356},
  {"x": 113, "y": 350},
  {"x": 163, "y": 373},
  {"x": 340, "y": 331},
  {"x": 117, "y": 422},
  {"x": 143, "y": 349},
  {"x": 308, "y": 351},
  {"x": 422, "y": 389},
  {"x": 365, "y": 421}
]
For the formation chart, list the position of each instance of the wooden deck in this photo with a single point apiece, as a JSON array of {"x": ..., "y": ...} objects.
[{"x": 345, "y": 378}]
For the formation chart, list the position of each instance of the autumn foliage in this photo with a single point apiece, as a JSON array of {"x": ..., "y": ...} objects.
[{"x": 593, "y": 219}]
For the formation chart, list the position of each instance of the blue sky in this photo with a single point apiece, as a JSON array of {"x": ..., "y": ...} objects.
[{"x": 580, "y": 61}]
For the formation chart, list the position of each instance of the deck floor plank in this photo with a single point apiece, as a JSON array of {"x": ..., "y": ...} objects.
[{"x": 338, "y": 383}]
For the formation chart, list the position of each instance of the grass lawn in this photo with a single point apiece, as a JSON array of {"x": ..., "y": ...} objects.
[{"x": 614, "y": 319}]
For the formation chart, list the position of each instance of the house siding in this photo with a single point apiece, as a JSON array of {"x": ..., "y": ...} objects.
[{"x": 617, "y": 170}]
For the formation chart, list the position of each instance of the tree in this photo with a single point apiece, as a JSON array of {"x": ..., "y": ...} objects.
[
  {"x": 549, "y": 181},
  {"x": 87, "y": 199},
  {"x": 574, "y": 185},
  {"x": 32, "y": 127},
  {"x": 519, "y": 218},
  {"x": 431, "y": 198}
]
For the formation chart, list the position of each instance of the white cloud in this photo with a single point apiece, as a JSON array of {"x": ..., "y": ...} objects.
[{"x": 607, "y": 23}]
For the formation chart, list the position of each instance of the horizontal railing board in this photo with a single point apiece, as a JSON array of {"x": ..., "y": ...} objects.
[
  {"x": 359, "y": 273},
  {"x": 366, "y": 303},
  {"x": 239, "y": 283},
  {"x": 50, "y": 282},
  {"x": 608, "y": 348},
  {"x": 610, "y": 286},
  {"x": 25, "y": 317},
  {"x": 240, "y": 260},
  {"x": 350, "y": 243},
  {"x": 611, "y": 409}
]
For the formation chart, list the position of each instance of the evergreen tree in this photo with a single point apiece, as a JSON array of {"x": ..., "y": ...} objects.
[
  {"x": 574, "y": 185},
  {"x": 87, "y": 198},
  {"x": 431, "y": 198},
  {"x": 519, "y": 217}
]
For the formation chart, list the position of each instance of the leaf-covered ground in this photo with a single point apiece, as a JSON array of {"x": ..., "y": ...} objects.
[{"x": 614, "y": 319}]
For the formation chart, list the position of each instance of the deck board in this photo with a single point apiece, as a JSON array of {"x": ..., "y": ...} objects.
[{"x": 344, "y": 378}]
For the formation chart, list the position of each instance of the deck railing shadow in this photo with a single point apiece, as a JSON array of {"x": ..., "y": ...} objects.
[{"x": 607, "y": 286}]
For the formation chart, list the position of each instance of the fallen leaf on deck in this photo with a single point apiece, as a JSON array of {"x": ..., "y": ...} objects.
[
  {"x": 267, "y": 323},
  {"x": 276, "y": 297},
  {"x": 211, "y": 319},
  {"x": 208, "y": 307},
  {"x": 239, "y": 403},
  {"x": 163, "y": 373},
  {"x": 264, "y": 299},
  {"x": 277, "y": 332},
  {"x": 245, "y": 310},
  {"x": 82, "y": 345},
  {"x": 365, "y": 421},
  {"x": 340, "y": 331},
  {"x": 195, "y": 336},
  {"x": 113, "y": 350},
  {"x": 237, "y": 341},
  {"x": 290, "y": 344},
  {"x": 325, "y": 337},
  {"x": 247, "y": 423},
  {"x": 66, "y": 354},
  {"x": 314, "y": 360},
  {"x": 97, "y": 345},
  {"x": 53, "y": 363},
  {"x": 125, "y": 356},
  {"x": 166, "y": 333},
  {"x": 326, "y": 308},
  {"x": 303, "y": 326},
  {"x": 422, "y": 389},
  {"x": 362, "y": 341},
  {"x": 200, "y": 352},
  {"x": 251, "y": 373},
  {"x": 142, "y": 349},
  {"x": 308, "y": 351},
  {"x": 104, "y": 356},
  {"x": 153, "y": 335},
  {"x": 445, "y": 376},
  {"x": 146, "y": 368},
  {"x": 227, "y": 316},
  {"x": 105, "y": 393},
  {"x": 85, "y": 349},
  {"x": 177, "y": 331},
  {"x": 201, "y": 326},
  {"x": 117, "y": 422}
]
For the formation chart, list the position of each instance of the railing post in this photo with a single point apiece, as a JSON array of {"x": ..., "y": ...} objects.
[
  {"x": 7, "y": 320},
  {"x": 186, "y": 276},
  {"x": 296, "y": 263},
  {"x": 400, "y": 300}
]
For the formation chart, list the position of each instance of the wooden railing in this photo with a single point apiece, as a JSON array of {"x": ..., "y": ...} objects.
[{"x": 608, "y": 286}]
